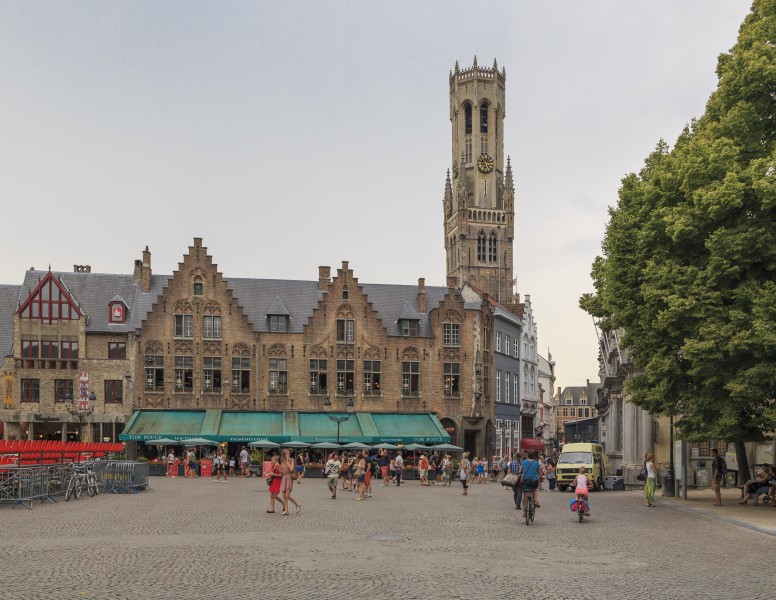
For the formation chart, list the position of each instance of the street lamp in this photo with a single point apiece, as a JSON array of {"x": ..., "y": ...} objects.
[{"x": 339, "y": 420}]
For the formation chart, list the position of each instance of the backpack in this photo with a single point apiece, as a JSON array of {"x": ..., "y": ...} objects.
[{"x": 722, "y": 466}]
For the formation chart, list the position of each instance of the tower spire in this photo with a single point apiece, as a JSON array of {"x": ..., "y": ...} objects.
[{"x": 448, "y": 188}]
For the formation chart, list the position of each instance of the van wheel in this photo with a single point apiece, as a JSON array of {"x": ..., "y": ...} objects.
[{"x": 562, "y": 487}]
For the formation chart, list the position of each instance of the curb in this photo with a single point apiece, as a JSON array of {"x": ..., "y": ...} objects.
[{"x": 723, "y": 518}]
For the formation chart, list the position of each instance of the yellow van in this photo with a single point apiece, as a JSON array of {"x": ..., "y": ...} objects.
[{"x": 573, "y": 456}]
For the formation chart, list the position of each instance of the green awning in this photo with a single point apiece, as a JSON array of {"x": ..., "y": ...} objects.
[{"x": 280, "y": 427}]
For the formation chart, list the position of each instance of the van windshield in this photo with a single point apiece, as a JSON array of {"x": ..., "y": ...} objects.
[{"x": 575, "y": 458}]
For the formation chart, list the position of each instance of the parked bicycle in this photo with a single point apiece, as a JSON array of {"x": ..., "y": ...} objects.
[{"x": 83, "y": 475}]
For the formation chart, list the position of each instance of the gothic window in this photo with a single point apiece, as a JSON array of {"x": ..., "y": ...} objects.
[
  {"x": 484, "y": 117},
  {"x": 484, "y": 144},
  {"x": 481, "y": 247},
  {"x": 531, "y": 350},
  {"x": 241, "y": 371},
  {"x": 211, "y": 327},
  {"x": 371, "y": 377},
  {"x": 212, "y": 381},
  {"x": 318, "y": 367},
  {"x": 533, "y": 383},
  {"x": 345, "y": 376},
  {"x": 492, "y": 248},
  {"x": 278, "y": 375},
  {"x": 468, "y": 118},
  {"x": 154, "y": 370},
  {"x": 410, "y": 378},
  {"x": 184, "y": 326},
  {"x": 467, "y": 146},
  {"x": 451, "y": 334},
  {"x": 525, "y": 380},
  {"x": 346, "y": 330},
  {"x": 184, "y": 373},
  {"x": 452, "y": 372}
]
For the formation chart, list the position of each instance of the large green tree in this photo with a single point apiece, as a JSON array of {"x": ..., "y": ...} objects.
[{"x": 689, "y": 258}]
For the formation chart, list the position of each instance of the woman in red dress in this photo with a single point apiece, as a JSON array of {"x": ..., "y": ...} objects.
[{"x": 274, "y": 486}]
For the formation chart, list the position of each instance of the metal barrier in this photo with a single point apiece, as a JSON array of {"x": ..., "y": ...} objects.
[
  {"x": 23, "y": 485},
  {"x": 123, "y": 477}
]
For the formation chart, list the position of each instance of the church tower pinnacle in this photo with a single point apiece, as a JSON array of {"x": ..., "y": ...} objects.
[{"x": 479, "y": 213}]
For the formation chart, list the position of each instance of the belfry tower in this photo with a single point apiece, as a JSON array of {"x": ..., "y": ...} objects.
[{"x": 479, "y": 209}]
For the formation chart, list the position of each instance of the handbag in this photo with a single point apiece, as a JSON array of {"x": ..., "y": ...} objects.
[
  {"x": 640, "y": 476},
  {"x": 269, "y": 480},
  {"x": 511, "y": 480}
]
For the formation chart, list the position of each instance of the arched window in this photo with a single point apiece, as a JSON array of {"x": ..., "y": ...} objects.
[
  {"x": 468, "y": 150},
  {"x": 525, "y": 380},
  {"x": 492, "y": 248},
  {"x": 468, "y": 118},
  {"x": 481, "y": 247},
  {"x": 484, "y": 117},
  {"x": 533, "y": 383},
  {"x": 532, "y": 349}
]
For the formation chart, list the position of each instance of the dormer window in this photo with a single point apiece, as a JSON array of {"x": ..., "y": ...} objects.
[
  {"x": 409, "y": 327},
  {"x": 117, "y": 311},
  {"x": 278, "y": 323}
]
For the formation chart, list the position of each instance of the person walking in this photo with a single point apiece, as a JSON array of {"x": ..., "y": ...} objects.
[
  {"x": 275, "y": 479},
  {"x": 220, "y": 465},
  {"x": 464, "y": 473},
  {"x": 343, "y": 474},
  {"x": 423, "y": 469},
  {"x": 171, "y": 468},
  {"x": 300, "y": 467},
  {"x": 287, "y": 482},
  {"x": 385, "y": 463},
  {"x": 515, "y": 468},
  {"x": 436, "y": 464},
  {"x": 649, "y": 486},
  {"x": 398, "y": 465},
  {"x": 716, "y": 476},
  {"x": 244, "y": 462},
  {"x": 332, "y": 470},
  {"x": 231, "y": 465},
  {"x": 550, "y": 474}
]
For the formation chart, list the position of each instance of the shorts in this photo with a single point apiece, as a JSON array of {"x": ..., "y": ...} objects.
[
  {"x": 332, "y": 481},
  {"x": 424, "y": 473},
  {"x": 343, "y": 474},
  {"x": 465, "y": 484},
  {"x": 581, "y": 491},
  {"x": 300, "y": 468},
  {"x": 243, "y": 465},
  {"x": 361, "y": 478},
  {"x": 384, "y": 471},
  {"x": 529, "y": 485},
  {"x": 220, "y": 467},
  {"x": 715, "y": 484}
]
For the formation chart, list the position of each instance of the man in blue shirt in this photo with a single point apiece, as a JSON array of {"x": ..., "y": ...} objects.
[{"x": 532, "y": 468}]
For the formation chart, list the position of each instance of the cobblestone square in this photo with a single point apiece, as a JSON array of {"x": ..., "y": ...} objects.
[{"x": 201, "y": 539}]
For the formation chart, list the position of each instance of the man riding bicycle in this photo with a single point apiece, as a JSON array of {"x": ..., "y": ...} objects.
[{"x": 531, "y": 469}]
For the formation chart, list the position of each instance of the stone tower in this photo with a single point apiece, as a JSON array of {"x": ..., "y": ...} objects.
[{"x": 479, "y": 210}]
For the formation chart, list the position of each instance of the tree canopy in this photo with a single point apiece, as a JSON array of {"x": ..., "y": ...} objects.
[{"x": 688, "y": 270}]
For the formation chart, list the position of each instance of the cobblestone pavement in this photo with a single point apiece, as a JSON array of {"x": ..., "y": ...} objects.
[{"x": 191, "y": 539}]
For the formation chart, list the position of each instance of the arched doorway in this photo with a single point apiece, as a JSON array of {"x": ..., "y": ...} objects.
[{"x": 451, "y": 430}]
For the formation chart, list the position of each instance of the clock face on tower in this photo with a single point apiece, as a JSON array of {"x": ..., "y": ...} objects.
[{"x": 485, "y": 163}]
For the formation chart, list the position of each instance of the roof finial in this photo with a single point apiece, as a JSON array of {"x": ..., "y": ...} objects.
[
  {"x": 495, "y": 65},
  {"x": 475, "y": 61}
]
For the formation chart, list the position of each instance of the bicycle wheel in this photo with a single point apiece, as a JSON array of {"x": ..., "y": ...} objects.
[
  {"x": 78, "y": 488},
  {"x": 533, "y": 507},
  {"x": 91, "y": 485},
  {"x": 528, "y": 504},
  {"x": 581, "y": 514},
  {"x": 70, "y": 488}
]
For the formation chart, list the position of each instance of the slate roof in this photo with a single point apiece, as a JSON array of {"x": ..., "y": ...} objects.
[
  {"x": 408, "y": 313},
  {"x": 9, "y": 302},
  {"x": 258, "y": 298},
  {"x": 93, "y": 292}
]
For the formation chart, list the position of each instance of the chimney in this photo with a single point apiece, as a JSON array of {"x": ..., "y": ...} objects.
[
  {"x": 145, "y": 271},
  {"x": 344, "y": 266},
  {"x": 528, "y": 298},
  {"x": 324, "y": 278},
  {"x": 421, "y": 295},
  {"x": 136, "y": 273},
  {"x": 451, "y": 282},
  {"x": 82, "y": 268}
]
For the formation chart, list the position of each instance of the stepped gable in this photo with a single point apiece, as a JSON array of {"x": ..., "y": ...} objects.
[
  {"x": 9, "y": 302},
  {"x": 93, "y": 292}
]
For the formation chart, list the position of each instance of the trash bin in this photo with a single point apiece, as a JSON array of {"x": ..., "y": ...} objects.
[{"x": 205, "y": 468}]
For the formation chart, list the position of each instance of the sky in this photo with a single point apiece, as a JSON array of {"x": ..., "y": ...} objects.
[{"x": 295, "y": 134}]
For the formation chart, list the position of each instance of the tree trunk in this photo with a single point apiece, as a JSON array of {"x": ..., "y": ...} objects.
[{"x": 743, "y": 463}]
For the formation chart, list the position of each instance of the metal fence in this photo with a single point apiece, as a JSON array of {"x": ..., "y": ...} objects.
[{"x": 24, "y": 485}]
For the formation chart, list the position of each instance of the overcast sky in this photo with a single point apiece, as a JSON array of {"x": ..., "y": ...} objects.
[{"x": 295, "y": 134}]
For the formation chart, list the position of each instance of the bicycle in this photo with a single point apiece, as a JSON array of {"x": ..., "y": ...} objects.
[
  {"x": 580, "y": 509},
  {"x": 529, "y": 503},
  {"x": 83, "y": 475}
]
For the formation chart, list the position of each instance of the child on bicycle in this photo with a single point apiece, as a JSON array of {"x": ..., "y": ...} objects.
[{"x": 580, "y": 485}]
